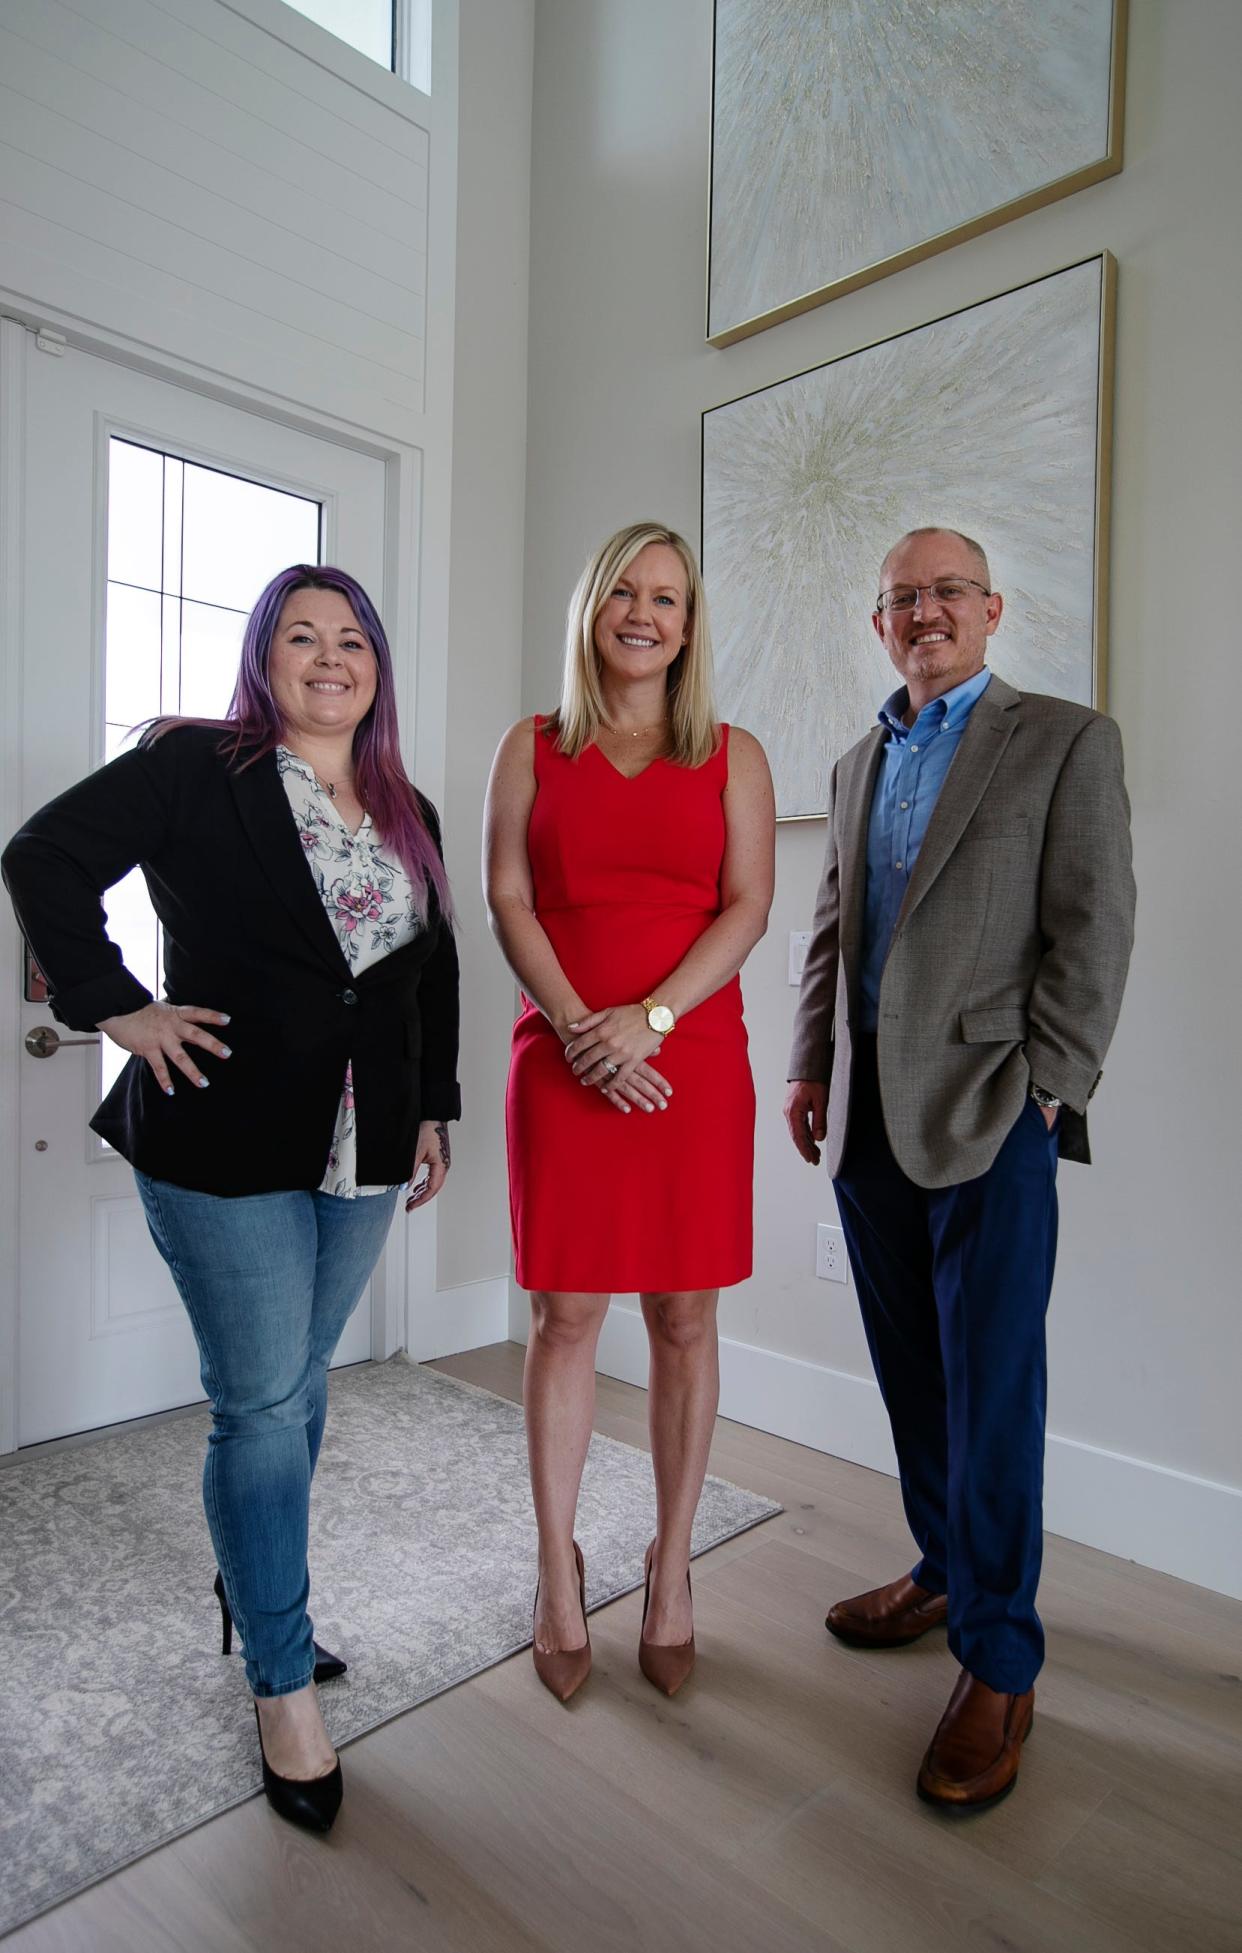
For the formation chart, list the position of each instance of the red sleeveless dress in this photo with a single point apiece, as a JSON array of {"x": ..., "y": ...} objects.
[{"x": 626, "y": 877}]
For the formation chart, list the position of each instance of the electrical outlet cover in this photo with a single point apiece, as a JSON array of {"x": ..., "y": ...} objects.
[{"x": 831, "y": 1261}]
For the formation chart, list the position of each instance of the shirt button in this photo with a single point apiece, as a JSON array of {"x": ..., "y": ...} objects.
[
  {"x": 904, "y": 805},
  {"x": 349, "y": 996},
  {"x": 914, "y": 749},
  {"x": 897, "y": 864}
]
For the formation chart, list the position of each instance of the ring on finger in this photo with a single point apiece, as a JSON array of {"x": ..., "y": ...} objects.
[{"x": 609, "y": 1067}]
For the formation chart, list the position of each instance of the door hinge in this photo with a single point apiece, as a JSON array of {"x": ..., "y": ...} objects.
[{"x": 50, "y": 342}]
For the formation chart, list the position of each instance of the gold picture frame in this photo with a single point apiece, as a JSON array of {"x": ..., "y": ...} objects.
[
  {"x": 756, "y": 315},
  {"x": 802, "y": 491}
]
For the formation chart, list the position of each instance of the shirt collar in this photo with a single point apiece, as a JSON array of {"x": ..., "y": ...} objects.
[
  {"x": 949, "y": 712},
  {"x": 288, "y": 761},
  {"x": 291, "y": 762}
]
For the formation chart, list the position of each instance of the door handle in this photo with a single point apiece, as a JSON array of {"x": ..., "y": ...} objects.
[{"x": 45, "y": 1042}]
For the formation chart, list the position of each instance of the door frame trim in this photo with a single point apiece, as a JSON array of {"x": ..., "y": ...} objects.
[{"x": 14, "y": 340}]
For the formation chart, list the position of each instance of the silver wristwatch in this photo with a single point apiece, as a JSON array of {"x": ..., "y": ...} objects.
[{"x": 1046, "y": 1099}]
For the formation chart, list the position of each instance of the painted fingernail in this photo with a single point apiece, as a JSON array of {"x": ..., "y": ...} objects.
[
  {"x": 169, "y": 1090},
  {"x": 573, "y": 1027},
  {"x": 225, "y": 1051},
  {"x": 224, "y": 1017},
  {"x": 200, "y": 1081}
]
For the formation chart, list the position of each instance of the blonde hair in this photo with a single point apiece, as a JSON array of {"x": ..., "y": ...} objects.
[{"x": 692, "y": 709}]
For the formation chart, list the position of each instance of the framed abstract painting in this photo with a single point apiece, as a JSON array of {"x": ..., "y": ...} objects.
[
  {"x": 852, "y": 137},
  {"x": 995, "y": 420}
]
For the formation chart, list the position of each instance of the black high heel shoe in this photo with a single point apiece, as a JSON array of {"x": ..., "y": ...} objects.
[
  {"x": 312, "y": 1802},
  {"x": 327, "y": 1666}
]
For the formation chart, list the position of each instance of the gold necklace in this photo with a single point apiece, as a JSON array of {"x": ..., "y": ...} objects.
[
  {"x": 330, "y": 786},
  {"x": 623, "y": 732}
]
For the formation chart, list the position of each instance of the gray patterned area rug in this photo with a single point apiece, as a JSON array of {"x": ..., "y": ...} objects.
[{"x": 122, "y": 1724}]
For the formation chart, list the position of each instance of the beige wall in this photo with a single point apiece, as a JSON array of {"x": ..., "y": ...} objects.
[{"x": 1145, "y": 1331}]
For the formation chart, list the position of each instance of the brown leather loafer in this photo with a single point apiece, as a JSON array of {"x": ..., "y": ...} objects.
[
  {"x": 887, "y": 1617},
  {"x": 973, "y": 1757}
]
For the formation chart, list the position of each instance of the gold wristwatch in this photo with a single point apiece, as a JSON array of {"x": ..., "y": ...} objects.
[{"x": 659, "y": 1016}]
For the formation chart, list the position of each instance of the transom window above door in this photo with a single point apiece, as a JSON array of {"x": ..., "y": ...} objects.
[
  {"x": 396, "y": 33},
  {"x": 189, "y": 549}
]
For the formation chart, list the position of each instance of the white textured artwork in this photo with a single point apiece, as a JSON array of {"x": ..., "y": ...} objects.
[
  {"x": 987, "y": 422},
  {"x": 845, "y": 132}
]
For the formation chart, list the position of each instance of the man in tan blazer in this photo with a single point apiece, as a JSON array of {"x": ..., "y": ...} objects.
[{"x": 965, "y": 972}]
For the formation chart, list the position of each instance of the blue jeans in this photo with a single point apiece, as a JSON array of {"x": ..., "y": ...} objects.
[
  {"x": 954, "y": 1285},
  {"x": 269, "y": 1282}
]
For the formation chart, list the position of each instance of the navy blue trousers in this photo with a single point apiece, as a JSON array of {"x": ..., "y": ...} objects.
[{"x": 954, "y": 1284}]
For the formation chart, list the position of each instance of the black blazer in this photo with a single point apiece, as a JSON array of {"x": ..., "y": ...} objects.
[{"x": 245, "y": 932}]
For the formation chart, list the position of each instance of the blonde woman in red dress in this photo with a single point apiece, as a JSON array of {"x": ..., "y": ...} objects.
[{"x": 628, "y": 865}]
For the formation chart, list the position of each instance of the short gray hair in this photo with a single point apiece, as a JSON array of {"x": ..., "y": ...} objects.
[{"x": 940, "y": 529}]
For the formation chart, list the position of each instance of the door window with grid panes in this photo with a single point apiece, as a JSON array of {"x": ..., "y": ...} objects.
[{"x": 189, "y": 549}]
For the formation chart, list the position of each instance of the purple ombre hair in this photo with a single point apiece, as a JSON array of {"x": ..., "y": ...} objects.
[{"x": 255, "y": 728}]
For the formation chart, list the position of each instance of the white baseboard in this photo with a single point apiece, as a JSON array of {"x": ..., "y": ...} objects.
[
  {"x": 1170, "y": 1520},
  {"x": 454, "y": 1319},
  {"x": 806, "y": 1402},
  {"x": 1189, "y": 1527}
]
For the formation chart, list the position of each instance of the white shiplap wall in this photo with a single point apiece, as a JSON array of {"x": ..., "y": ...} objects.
[{"x": 175, "y": 174}]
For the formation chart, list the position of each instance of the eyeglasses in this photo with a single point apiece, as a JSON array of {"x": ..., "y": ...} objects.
[{"x": 946, "y": 590}]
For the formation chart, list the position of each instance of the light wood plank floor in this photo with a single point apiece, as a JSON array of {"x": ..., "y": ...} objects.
[{"x": 771, "y": 1805}]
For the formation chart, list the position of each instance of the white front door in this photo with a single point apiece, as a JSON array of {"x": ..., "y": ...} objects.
[{"x": 150, "y": 527}]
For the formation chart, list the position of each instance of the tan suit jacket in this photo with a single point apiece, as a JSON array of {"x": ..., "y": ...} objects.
[{"x": 1009, "y": 955}]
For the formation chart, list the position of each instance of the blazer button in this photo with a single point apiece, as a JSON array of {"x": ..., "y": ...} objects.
[{"x": 349, "y": 996}]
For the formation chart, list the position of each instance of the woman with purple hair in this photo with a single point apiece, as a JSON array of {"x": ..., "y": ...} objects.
[{"x": 299, "y": 880}]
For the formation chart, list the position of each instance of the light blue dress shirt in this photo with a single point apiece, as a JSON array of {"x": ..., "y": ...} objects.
[{"x": 913, "y": 767}]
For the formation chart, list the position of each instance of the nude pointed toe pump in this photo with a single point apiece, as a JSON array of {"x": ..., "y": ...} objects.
[
  {"x": 564, "y": 1670},
  {"x": 666, "y": 1668}
]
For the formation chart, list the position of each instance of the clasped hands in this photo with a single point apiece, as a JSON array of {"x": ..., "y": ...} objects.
[{"x": 609, "y": 1049}]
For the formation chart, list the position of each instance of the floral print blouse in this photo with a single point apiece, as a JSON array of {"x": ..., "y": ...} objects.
[{"x": 366, "y": 892}]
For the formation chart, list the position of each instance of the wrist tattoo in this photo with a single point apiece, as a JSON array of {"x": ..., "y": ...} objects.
[{"x": 446, "y": 1157}]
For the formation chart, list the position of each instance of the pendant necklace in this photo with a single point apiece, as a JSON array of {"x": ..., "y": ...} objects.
[{"x": 329, "y": 786}]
